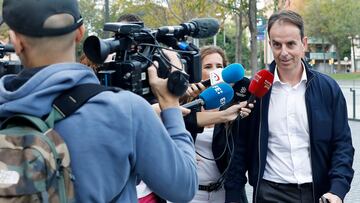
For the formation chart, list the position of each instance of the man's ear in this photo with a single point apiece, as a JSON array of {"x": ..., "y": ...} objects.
[
  {"x": 305, "y": 43},
  {"x": 79, "y": 33},
  {"x": 16, "y": 40}
]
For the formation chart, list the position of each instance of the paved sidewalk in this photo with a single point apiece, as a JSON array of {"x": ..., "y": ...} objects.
[{"x": 354, "y": 195}]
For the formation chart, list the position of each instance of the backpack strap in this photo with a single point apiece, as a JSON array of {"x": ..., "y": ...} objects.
[
  {"x": 64, "y": 105},
  {"x": 28, "y": 120}
]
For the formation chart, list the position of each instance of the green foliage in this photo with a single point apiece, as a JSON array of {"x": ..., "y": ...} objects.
[
  {"x": 169, "y": 12},
  {"x": 152, "y": 14},
  {"x": 335, "y": 20},
  {"x": 4, "y": 28},
  {"x": 93, "y": 16},
  {"x": 229, "y": 46},
  {"x": 346, "y": 76}
]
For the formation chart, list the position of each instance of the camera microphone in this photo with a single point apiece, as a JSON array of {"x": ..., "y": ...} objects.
[
  {"x": 197, "y": 28},
  {"x": 213, "y": 97}
]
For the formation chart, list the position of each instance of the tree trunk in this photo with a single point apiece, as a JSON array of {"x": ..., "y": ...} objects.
[
  {"x": 106, "y": 16},
  {"x": 239, "y": 31},
  {"x": 253, "y": 40},
  {"x": 338, "y": 66}
]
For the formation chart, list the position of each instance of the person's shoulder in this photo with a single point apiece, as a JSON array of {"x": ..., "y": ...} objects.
[
  {"x": 124, "y": 97},
  {"x": 326, "y": 84}
]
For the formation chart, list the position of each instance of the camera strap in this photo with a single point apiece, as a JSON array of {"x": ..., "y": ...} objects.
[{"x": 73, "y": 98}]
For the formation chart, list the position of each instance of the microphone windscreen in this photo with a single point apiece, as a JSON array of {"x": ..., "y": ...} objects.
[
  {"x": 261, "y": 83},
  {"x": 241, "y": 92},
  {"x": 205, "y": 27},
  {"x": 233, "y": 73},
  {"x": 217, "y": 95}
]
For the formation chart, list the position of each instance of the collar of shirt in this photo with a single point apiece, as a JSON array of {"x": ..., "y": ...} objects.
[{"x": 278, "y": 81}]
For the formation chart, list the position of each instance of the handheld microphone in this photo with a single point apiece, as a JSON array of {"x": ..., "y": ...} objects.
[
  {"x": 241, "y": 92},
  {"x": 197, "y": 28},
  {"x": 260, "y": 84},
  {"x": 213, "y": 97},
  {"x": 230, "y": 74}
]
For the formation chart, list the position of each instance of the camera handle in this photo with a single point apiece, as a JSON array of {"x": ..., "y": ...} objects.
[{"x": 178, "y": 83}]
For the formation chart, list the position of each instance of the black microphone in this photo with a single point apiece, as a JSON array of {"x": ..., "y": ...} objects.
[
  {"x": 241, "y": 92},
  {"x": 197, "y": 28}
]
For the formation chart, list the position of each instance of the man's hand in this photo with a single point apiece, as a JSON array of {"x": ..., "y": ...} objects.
[
  {"x": 195, "y": 89},
  {"x": 332, "y": 198},
  {"x": 159, "y": 85},
  {"x": 160, "y": 90},
  {"x": 236, "y": 110},
  {"x": 157, "y": 109}
]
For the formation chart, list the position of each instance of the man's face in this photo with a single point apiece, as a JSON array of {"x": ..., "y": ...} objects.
[{"x": 287, "y": 46}]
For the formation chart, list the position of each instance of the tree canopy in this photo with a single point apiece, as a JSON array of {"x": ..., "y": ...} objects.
[{"x": 334, "y": 20}]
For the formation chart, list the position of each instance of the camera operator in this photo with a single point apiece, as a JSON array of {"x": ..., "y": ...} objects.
[{"x": 115, "y": 136}]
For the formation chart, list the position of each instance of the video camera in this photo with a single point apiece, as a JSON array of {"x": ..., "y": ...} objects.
[
  {"x": 8, "y": 67},
  {"x": 136, "y": 48}
]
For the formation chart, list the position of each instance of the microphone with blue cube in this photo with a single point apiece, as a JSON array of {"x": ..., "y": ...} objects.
[{"x": 213, "y": 97}]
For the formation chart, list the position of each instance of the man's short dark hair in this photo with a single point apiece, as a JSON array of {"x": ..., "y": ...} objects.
[
  {"x": 289, "y": 17},
  {"x": 129, "y": 18}
]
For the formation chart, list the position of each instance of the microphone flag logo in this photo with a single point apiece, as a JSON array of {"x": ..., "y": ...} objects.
[{"x": 216, "y": 76}]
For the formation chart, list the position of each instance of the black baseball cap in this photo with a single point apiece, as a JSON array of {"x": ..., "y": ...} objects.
[{"x": 28, "y": 16}]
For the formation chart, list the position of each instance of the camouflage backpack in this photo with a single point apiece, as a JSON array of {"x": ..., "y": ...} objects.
[{"x": 34, "y": 159}]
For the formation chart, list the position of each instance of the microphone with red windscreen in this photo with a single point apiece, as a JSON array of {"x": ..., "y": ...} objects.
[{"x": 260, "y": 84}]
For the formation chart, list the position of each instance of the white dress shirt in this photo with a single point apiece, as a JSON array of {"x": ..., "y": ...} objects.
[{"x": 288, "y": 156}]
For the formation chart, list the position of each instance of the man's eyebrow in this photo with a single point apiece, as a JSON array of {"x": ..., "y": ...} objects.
[
  {"x": 291, "y": 42},
  {"x": 288, "y": 42}
]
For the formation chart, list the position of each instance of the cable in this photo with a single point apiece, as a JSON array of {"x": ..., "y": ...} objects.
[
  {"x": 228, "y": 133},
  {"x": 222, "y": 153},
  {"x": 159, "y": 47}
]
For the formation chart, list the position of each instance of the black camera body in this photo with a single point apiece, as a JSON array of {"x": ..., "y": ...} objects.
[
  {"x": 8, "y": 67},
  {"x": 136, "y": 47}
]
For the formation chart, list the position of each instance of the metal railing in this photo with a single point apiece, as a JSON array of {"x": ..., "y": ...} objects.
[{"x": 351, "y": 91}]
